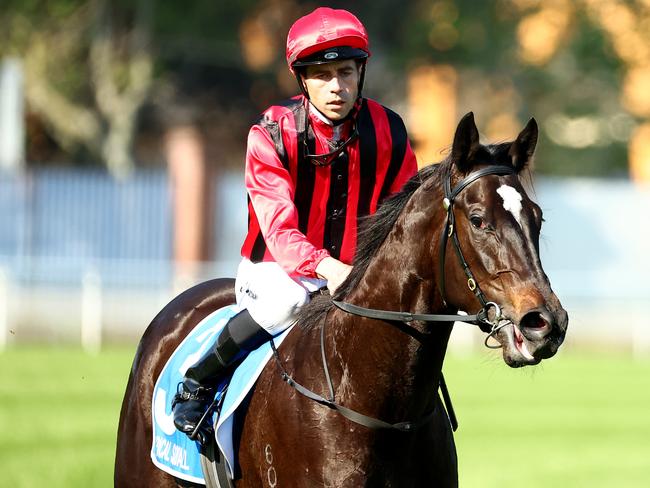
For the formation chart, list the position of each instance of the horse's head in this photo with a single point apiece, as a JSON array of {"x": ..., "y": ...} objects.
[{"x": 498, "y": 227}]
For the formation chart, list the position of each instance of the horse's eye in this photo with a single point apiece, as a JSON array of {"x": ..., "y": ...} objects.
[{"x": 476, "y": 221}]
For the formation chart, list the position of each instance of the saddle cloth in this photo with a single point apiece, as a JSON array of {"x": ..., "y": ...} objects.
[{"x": 171, "y": 450}]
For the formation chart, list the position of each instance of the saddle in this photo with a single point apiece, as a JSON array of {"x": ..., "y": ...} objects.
[{"x": 174, "y": 452}]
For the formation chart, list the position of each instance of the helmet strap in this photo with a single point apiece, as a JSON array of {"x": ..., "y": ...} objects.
[
  {"x": 362, "y": 78},
  {"x": 301, "y": 84}
]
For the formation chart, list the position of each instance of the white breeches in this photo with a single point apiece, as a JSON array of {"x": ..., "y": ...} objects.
[{"x": 271, "y": 296}]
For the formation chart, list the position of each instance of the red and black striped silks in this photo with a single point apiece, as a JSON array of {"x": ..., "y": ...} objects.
[{"x": 301, "y": 212}]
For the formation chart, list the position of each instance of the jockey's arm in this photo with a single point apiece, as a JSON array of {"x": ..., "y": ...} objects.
[{"x": 271, "y": 190}]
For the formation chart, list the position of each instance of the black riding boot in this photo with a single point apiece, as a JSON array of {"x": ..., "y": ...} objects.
[{"x": 239, "y": 337}]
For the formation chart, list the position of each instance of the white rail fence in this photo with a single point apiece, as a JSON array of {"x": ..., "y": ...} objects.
[{"x": 594, "y": 248}]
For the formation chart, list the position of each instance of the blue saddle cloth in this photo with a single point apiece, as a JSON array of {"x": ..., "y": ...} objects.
[{"x": 171, "y": 450}]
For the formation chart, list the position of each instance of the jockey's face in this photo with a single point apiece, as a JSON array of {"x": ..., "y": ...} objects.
[{"x": 333, "y": 87}]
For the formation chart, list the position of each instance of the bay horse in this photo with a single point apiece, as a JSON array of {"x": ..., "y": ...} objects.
[{"x": 472, "y": 202}]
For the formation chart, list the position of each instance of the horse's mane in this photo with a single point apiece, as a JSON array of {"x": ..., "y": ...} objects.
[{"x": 373, "y": 231}]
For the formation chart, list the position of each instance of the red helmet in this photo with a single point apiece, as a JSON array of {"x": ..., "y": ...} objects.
[{"x": 324, "y": 36}]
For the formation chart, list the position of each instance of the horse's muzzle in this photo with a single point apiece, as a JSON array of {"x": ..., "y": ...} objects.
[{"x": 544, "y": 331}]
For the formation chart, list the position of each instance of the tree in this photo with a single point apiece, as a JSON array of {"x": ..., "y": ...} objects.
[
  {"x": 580, "y": 66},
  {"x": 84, "y": 76}
]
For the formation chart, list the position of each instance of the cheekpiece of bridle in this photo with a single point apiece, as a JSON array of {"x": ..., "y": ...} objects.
[{"x": 491, "y": 326}]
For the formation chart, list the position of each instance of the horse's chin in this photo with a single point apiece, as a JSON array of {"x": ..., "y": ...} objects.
[{"x": 516, "y": 352}]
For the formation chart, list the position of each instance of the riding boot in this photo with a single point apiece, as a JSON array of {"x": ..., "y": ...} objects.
[{"x": 197, "y": 390}]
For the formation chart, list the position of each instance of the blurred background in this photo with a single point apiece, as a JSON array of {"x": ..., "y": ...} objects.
[{"x": 122, "y": 137}]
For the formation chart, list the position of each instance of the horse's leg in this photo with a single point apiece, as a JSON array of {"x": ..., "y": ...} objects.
[
  {"x": 272, "y": 450},
  {"x": 252, "y": 458},
  {"x": 133, "y": 465},
  {"x": 438, "y": 460}
]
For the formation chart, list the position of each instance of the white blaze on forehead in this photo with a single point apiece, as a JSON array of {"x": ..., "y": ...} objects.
[{"x": 511, "y": 201}]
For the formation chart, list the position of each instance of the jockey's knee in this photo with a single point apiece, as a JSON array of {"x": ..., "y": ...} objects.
[
  {"x": 270, "y": 295},
  {"x": 277, "y": 311}
]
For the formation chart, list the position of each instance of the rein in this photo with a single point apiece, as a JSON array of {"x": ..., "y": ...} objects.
[
  {"x": 389, "y": 315},
  {"x": 354, "y": 416},
  {"x": 481, "y": 318}
]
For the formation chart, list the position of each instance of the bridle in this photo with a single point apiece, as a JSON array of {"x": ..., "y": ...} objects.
[
  {"x": 449, "y": 231},
  {"x": 481, "y": 318}
]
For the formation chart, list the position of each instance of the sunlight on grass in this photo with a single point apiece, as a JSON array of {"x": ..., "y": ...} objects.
[
  {"x": 58, "y": 414},
  {"x": 576, "y": 420}
]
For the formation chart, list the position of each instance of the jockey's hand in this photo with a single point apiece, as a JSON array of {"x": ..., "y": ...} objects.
[{"x": 334, "y": 271}]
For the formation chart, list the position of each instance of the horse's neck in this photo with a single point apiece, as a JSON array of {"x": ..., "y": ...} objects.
[
  {"x": 402, "y": 275},
  {"x": 400, "y": 373},
  {"x": 401, "y": 370}
]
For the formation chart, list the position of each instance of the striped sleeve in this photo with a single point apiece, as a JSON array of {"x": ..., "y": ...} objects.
[{"x": 271, "y": 192}]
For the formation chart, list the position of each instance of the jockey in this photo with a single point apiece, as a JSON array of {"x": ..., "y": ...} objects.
[{"x": 315, "y": 165}]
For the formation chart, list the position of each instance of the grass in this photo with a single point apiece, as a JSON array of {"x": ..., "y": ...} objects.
[
  {"x": 58, "y": 416},
  {"x": 575, "y": 421}
]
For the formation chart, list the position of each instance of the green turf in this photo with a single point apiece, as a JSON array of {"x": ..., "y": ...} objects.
[
  {"x": 575, "y": 421},
  {"x": 58, "y": 414}
]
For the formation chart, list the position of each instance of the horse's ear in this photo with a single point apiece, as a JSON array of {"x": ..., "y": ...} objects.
[
  {"x": 466, "y": 143},
  {"x": 522, "y": 149}
]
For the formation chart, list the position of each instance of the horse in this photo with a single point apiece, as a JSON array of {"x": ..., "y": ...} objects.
[{"x": 386, "y": 367}]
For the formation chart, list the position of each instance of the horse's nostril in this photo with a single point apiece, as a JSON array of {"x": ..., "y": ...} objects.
[
  {"x": 534, "y": 325},
  {"x": 533, "y": 320}
]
